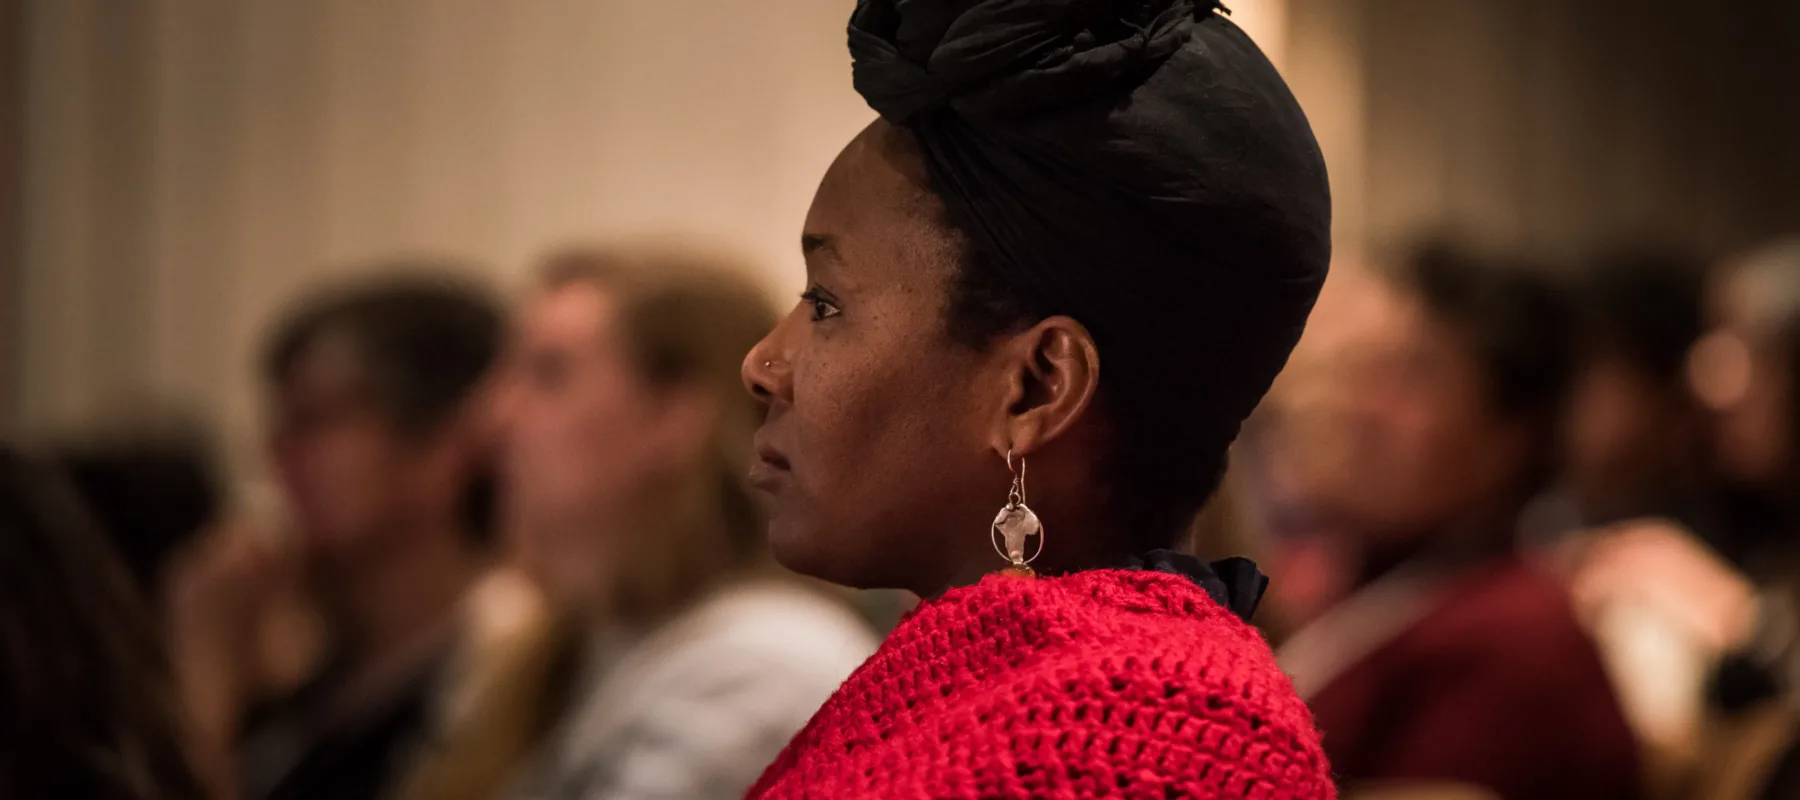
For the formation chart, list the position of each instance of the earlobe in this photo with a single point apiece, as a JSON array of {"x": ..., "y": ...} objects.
[{"x": 1055, "y": 374}]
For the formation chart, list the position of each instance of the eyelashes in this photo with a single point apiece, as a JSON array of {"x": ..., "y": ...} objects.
[{"x": 824, "y": 307}]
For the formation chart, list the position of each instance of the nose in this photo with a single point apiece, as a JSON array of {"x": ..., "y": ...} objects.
[{"x": 766, "y": 370}]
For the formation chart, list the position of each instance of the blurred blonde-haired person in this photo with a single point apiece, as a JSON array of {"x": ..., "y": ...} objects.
[{"x": 626, "y": 432}]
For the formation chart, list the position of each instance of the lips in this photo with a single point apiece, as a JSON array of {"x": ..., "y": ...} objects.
[{"x": 771, "y": 467}]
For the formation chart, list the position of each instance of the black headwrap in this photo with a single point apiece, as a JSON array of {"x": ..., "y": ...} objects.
[{"x": 1137, "y": 165}]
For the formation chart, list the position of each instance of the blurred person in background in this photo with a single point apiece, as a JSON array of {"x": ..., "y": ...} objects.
[
  {"x": 626, "y": 431},
  {"x": 1638, "y": 464},
  {"x": 1453, "y": 660},
  {"x": 380, "y": 447},
  {"x": 1742, "y": 618},
  {"x": 1636, "y": 440},
  {"x": 89, "y": 705}
]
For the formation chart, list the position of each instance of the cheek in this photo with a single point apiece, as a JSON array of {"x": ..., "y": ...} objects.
[
  {"x": 876, "y": 468},
  {"x": 575, "y": 450},
  {"x": 1757, "y": 434},
  {"x": 337, "y": 481}
]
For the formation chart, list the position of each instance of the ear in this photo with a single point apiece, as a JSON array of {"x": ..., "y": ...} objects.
[{"x": 1054, "y": 372}]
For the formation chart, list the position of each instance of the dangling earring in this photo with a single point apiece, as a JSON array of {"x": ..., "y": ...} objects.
[{"x": 1016, "y": 523}]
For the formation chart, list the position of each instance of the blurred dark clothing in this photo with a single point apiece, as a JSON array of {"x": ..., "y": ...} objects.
[
  {"x": 1483, "y": 677},
  {"x": 150, "y": 493},
  {"x": 318, "y": 744}
]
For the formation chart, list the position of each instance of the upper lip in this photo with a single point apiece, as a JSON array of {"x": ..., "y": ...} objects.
[{"x": 767, "y": 453}]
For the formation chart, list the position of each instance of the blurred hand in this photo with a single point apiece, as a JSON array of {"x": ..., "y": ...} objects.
[
  {"x": 1659, "y": 565},
  {"x": 220, "y": 593}
]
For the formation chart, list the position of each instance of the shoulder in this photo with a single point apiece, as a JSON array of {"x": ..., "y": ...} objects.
[
  {"x": 1503, "y": 610},
  {"x": 771, "y": 639},
  {"x": 1153, "y": 668},
  {"x": 775, "y": 622}
]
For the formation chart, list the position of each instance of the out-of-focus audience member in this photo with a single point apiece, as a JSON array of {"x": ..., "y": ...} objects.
[
  {"x": 380, "y": 446},
  {"x": 1638, "y": 463},
  {"x": 1745, "y": 371},
  {"x": 626, "y": 435},
  {"x": 1454, "y": 660},
  {"x": 1636, "y": 440},
  {"x": 89, "y": 705}
]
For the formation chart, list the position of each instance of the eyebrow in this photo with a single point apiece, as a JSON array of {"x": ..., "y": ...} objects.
[{"x": 815, "y": 242}]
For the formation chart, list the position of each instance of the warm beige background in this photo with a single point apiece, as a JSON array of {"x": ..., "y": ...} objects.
[{"x": 191, "y": 163}]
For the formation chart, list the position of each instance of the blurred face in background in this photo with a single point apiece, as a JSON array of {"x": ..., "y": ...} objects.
[
  {"x": 1623, "y": 428},
  {"x": 1742, "y": 372},
  {"x": 352, "y": 480},
  {"x": 583, "y": 437},
  {"x": 1422, "y": 445}
]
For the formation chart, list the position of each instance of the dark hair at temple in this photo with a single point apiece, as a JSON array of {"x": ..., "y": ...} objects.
[
  {"x": 90, "y": 703},
  {"x": 152, "y": 485},
  {"x": 424, "y": 341},
  {"x": 1516, "y": 327},
  {"x": 1642, "y": 304}
]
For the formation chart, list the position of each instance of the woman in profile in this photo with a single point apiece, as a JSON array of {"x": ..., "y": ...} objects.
[
  {"x": 1045, "y": 288},
  {"x": 89, "y": 703}
]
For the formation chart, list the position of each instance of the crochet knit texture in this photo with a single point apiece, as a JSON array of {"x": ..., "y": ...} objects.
[{"x": 1110, "y": 683}]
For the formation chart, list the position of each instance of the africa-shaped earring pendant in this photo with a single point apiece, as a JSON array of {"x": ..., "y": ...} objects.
[{"x": 1016, "y": 525}]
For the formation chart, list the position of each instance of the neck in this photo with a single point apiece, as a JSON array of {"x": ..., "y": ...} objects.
[
  {"x": 385, "y": 605},
  {"x": 1479, "y": 536},
  {"x": 1066, "y": 550}
]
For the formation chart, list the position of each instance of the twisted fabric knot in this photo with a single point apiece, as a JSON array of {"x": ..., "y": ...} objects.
[{"x": 993, "y": 58}]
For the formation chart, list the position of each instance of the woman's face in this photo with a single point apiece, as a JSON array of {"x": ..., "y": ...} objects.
[{"x": 878, "y": 445}]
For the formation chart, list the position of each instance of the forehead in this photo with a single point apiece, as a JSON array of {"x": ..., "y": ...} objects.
[
  {"x": 576, "y": 309},
  {"x": 876, "y": 212},
  {"x": 331, "y": 363}
]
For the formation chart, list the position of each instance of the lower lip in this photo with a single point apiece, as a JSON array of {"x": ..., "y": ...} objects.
[{"x": 767, "y": 476}]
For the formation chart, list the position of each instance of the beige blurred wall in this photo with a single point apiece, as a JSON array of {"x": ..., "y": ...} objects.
[
  {"x": 192, "y": 163},
  {"x": 189, "y": 164}
]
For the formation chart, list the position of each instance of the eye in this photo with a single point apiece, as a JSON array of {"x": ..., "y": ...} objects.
[{"x": 823, "y": 306}]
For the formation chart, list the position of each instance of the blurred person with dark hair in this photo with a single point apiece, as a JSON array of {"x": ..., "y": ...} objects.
[
  {"x": 1639, "y": 468},
  {"x": 151, "y": 481},
  {"x": 1453, "y": 660},
  {"x": 1746, "y": 371},
  {"x": 380, "y": 445},
  {"x": 89, "y": 706},
  {"x": 1636, "y": 443},
  {"x": 626, "y": 431}
]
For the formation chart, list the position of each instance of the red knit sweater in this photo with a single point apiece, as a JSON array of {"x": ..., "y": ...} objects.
[{"x": 1101, "y": 684}]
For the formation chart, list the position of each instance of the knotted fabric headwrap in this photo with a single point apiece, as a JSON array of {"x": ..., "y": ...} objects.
[{"x": 1137, "y": 165}]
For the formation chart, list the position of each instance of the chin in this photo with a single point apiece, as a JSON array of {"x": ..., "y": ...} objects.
[{"x": 807, "y": 551}]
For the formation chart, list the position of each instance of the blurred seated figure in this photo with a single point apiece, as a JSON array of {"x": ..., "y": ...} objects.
[
  {"x": 1637, "y": 464},
  {"x": 1452, "y": 660},
  {"x": 380, "y": 444},
  {"x": 1746, "y": 371},
  {"x": 626, "y": 437},
  {"x": 89, "y": 704},
  {"x": 1636, "y": 439}
]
